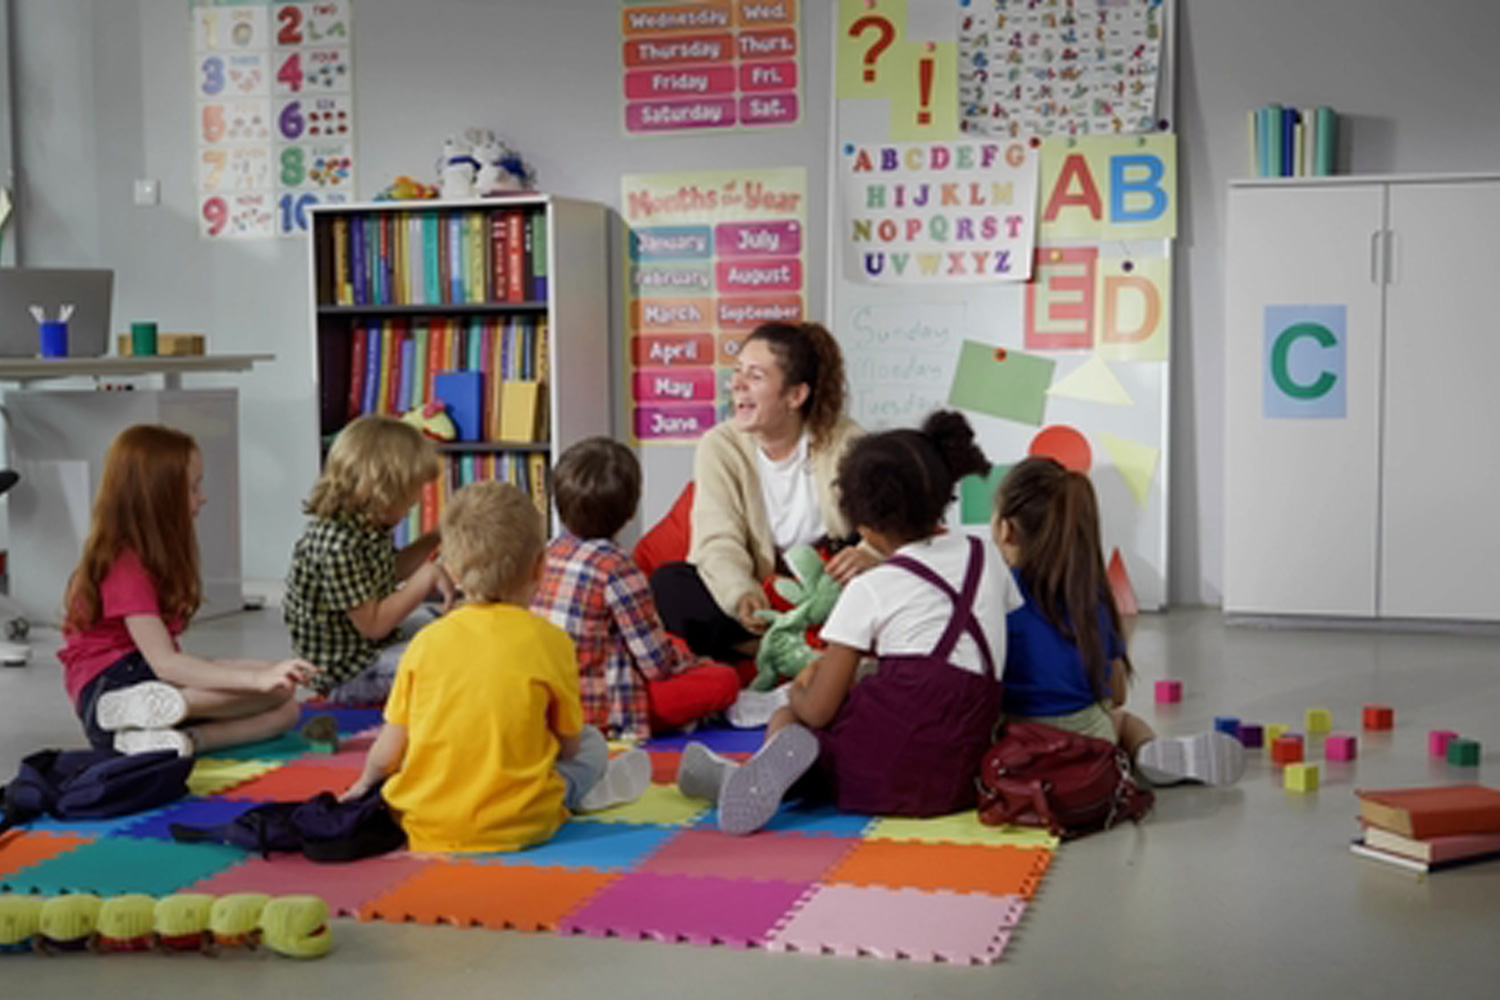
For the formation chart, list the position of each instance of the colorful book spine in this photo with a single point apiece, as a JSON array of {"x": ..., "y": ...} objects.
[
  {"x": 359, "y": 290},
  {"x": 1288, "y": 141},
  {"x": 372, "y": 367},
  {"x": 515, "y": 256},
  {"x": 539, "y": 265},
  {"x": 357, "y": 348},
  {"x": 408, "y": 374},
  {"x": 1327, "y": 150},
  {"x": 456, "y": 266},
  {"x": 498, "y": 257}
]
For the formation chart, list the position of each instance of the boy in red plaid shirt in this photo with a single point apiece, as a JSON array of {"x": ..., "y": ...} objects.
[{"x": 633, "y": 679}]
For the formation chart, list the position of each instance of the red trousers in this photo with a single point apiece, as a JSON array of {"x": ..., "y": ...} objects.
[{"x": 692, "y": 694}]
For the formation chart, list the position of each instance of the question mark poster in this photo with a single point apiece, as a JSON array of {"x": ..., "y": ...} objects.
[
  {"x": 1069, "y": 363},
  {"x": 710, "y": 65},
  {"x": 274, "y": 106}
]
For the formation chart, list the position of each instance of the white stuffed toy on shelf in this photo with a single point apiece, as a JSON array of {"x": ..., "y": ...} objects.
[{"x": 457, "y": 168}]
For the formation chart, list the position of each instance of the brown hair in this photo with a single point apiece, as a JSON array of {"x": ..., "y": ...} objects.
[
  {"x": 374, "y": 464},
  {"x": 143, "y": 505},
  {"x": 492, "y": 535},
  {"x": 597, "y": 486},
  {"x": 1056, "y": 518},
  {"x": 809, "y": 356}
]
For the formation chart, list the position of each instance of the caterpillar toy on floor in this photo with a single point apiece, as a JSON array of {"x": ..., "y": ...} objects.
[{"x": 294, "y": 926}]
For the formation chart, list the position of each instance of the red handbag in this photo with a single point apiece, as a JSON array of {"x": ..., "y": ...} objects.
[{"x": 1039, "y": 775}]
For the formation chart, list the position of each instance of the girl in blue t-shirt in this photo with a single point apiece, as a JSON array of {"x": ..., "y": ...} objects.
[{"x": 1065, "y": 660}]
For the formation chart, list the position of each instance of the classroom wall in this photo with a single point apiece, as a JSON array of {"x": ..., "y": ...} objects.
[{"x": 103, "y": 95}]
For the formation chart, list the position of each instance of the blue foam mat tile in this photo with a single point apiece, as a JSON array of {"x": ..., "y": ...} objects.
[
  {"x": 585, "y": 844},
  {"x": 821, "y": 820},
  {"x": 193, "y": 812},
  {"x": 723, "y": 740},
  {"x": 351, "y": 719},
  {"x": 117, "y": 865}
]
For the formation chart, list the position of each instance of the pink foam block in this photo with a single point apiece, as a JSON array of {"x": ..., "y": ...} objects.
[
  {"x": 1438, "y": 740},
  {"x": 1340, "y": 746},
  {"x": 1168, "y": 692}
]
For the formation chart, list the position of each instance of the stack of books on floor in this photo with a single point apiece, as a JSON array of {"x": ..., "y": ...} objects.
[
  {"x": 1427, "y": 829},
  {"x": 1293, "y": 142}
]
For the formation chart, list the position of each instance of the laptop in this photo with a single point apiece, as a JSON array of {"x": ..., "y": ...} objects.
[{"x": 90, "y": 291}]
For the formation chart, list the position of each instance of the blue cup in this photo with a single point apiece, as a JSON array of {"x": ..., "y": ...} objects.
[{"x": 54, "y": 339}]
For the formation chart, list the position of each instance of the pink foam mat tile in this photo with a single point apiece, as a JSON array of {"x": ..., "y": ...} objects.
[
  {"x": 346, "y": 887},
  {"x": 920, "y": 926},
  {"x": 675, "y": 908},
  {"x": 785, "y": 858}
]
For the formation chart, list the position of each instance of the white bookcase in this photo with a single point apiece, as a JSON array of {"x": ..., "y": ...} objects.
[
  {"x": 430, "y": 268},
  {"x": 1383, "y": 507}
]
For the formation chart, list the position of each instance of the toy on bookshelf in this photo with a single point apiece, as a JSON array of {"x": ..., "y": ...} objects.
[
  {"x": 457, "y": 168},
  {"x": 405, "y": 188},
  {"x": 431, "y": 418},
  {"x": 501, "y": 169}
]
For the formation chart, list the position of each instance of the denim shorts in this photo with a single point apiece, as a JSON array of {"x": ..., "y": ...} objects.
[{"x": 128, "y": 671}]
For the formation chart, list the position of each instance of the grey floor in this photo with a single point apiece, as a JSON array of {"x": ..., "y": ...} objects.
[{"x": 1244, "y": 892}]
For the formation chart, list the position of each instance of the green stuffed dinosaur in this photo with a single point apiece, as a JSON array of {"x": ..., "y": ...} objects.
[{"x": 784, "y": 650}]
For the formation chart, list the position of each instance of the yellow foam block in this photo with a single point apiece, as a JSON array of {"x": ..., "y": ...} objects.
[
  {"x": 1318, "y": 720},
  {"x": 1273, "y": 730},
  {"x": 1300, "y": 778}
]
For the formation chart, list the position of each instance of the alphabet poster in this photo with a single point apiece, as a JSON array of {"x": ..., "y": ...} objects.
[
  {"x": 707, "y": 65},
  {"x": 712, "y": 254},
  {"x": 1070, "y": 362},
  {"x": 274, "y": 86}
]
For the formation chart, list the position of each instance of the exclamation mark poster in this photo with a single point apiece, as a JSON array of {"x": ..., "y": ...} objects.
[{"x": 885, "y": 51}]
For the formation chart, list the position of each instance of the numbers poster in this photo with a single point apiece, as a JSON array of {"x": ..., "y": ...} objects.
[
  {"x": 713, "y": 254},
  {"x": 274, "y": 129}
]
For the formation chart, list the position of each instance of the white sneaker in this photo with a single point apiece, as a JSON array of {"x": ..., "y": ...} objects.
[
  {"x": 148, "y": 705},
  {"x": 14, "y": 654},
  {"x": 625, "y": 780},
  {"x": 700, "y": 772},
  {"x": 753, "y": 709},
  {"x": 752, "y": 792},
  {"x": 1213, "y": 758},
  {"x": 132, "y": 741}
]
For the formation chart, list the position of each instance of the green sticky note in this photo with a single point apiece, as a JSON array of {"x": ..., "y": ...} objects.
[
  {"x": 976, "y": 495},
  {"x": 1001, "y": 383}
]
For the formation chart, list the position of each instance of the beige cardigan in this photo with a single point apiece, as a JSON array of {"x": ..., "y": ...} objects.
[{"x": 732, "y": 544}]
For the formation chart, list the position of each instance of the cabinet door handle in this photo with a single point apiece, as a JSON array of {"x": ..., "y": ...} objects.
[
  {"x": 1392, "y": 272},
  {"x": 1377, "y": 271}
]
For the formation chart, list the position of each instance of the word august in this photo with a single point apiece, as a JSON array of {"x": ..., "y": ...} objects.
[{"x": 921, "y": 216}]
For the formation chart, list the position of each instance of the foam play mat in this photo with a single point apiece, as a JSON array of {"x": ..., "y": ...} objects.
[{"x": 814, "y": 880}]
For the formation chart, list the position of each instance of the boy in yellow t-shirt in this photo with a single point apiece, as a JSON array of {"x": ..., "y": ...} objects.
[{"x": 484, "y": 743}]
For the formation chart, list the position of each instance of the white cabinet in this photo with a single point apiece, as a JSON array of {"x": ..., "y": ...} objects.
[{"x": 1361, "y": 420}]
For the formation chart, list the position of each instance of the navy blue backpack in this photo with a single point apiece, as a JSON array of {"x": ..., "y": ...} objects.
[
  {"x": 92, "y": 784},
  {"x": 322, "y": 828}
]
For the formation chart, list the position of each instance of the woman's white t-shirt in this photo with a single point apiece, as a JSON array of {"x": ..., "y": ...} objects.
[
  {"x": 791, "y": 498},
  {"x": 890, "y": 610}
]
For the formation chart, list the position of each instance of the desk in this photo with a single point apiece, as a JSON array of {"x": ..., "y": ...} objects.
[{"x": 57, "y": 438}]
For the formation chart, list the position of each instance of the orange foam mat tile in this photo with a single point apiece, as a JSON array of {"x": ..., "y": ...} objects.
[
  {"x": 19, "y": 849},
  {"x": 494, "y": 896},
  {"x": 997, "y": 871}
]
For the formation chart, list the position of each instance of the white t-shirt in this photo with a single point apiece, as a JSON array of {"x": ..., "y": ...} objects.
[
  {"x": 791, "y": 498},
  {"x": 890, "y": 610}
]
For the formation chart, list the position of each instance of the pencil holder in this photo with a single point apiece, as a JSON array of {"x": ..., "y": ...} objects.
[
  {"x": 142, "y": 338},
  {"x": 54, "y": 338}
]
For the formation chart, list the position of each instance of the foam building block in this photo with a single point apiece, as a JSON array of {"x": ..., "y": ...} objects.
[
  {"x": 1317, "y": 720},
  {"x": 1287, "y": 749},
  {"x": 1274, "y": 731},
  {"x": 1168, "y": 692},
  {"x": 1300, "y": 778},
  {"x": 1340, "y": 746},
  {"x": 1227, "y": 724},
  {"x": 1251, "y": 735},
  {"x": 1379, "y": 718},
  {"x": 1464, "y": 753},
  {"x": 1438, "y": 740}
]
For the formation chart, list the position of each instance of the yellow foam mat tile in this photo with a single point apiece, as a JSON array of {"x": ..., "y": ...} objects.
[
  {"x": 662, "y": 805},
  {"x": 960, "y": 828},
  {"x": 212, "y": 775}
]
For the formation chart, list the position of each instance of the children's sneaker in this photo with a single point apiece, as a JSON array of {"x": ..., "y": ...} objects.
[
  {"x": 133, "y": 741},
  {"x": 752, "y": 792},
  {"x": 148, "y": 705},
  {"x": 625, "y": 780},
  {"x": 753, "y": 709},
  {"x": 700, "y": 772},
  {"x": 1211, "y": 758}
]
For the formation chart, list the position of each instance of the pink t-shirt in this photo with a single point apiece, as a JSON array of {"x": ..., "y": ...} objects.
[{"x": 127, "y": 589}]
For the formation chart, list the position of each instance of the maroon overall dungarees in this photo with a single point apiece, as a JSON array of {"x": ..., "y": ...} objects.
[{"x": 909, "y": 739}]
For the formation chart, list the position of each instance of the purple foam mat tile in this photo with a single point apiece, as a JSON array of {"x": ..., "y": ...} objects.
[
  {"x": 734, "y": 913},
  {"x": 346, "y": 887},
  {"x": 723, "y": 740},
  {"x": 193, "y": 812},
  {"x": 783, "y": 858},
  {"x": 900, "y": 923},
  {"x": 350, "y": 719}
]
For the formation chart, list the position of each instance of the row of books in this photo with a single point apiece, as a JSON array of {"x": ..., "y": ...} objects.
[
  {"x": 395, "y": 365},
  {"x": 1293, "y": 142},
  {"x": 528, "y": 472},
  {"x": 1427, "y": 829},
  {"x": 434, "y": 257}
]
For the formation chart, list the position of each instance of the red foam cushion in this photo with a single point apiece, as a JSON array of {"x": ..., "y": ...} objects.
[{"x": 669, "y": 538}]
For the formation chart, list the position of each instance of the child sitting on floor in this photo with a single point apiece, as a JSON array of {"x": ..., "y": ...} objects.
[
  {"x": 344, "y": 596},
  {"x": 906, "y": 740},
  {"x": 633, "y": 679},
  {"x": 134, "y": 591},
  {"x": 1066, "y": 664},
  {"x": 484, "y": 743}
]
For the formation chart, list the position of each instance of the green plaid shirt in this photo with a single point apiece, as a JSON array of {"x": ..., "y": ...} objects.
[{"x": 339, "y": 563}]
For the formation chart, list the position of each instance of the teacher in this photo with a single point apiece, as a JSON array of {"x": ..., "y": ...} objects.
[{"x": 764, "y": 482}]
